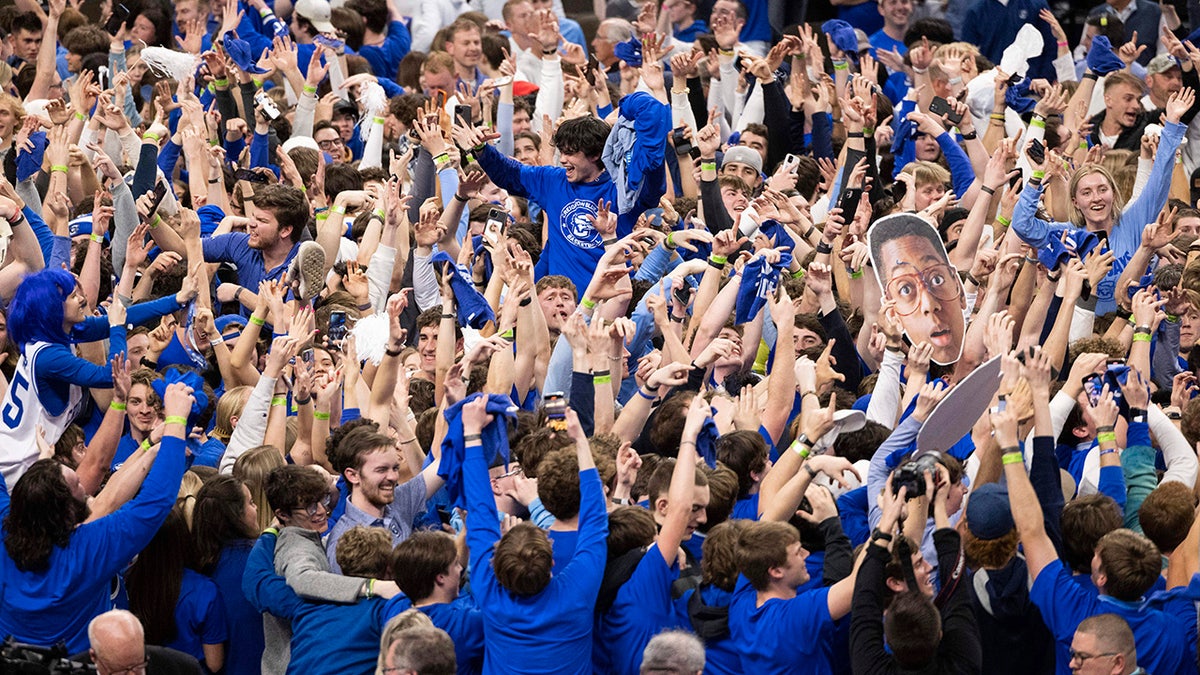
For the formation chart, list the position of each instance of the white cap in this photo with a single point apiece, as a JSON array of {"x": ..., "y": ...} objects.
[
  {"x": 300, "y": 142},
  {"x": 317, "y": 12}
]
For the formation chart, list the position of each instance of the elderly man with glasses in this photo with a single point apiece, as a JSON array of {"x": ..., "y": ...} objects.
[
  {"x": 119, "y": 648},
  {"x": 1104, "y": 645}
]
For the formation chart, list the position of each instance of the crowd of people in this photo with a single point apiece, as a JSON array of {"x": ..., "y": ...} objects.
[{"x": 526, "y": 336}]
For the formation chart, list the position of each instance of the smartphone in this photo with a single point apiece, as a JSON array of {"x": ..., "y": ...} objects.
[
  {"x": 556, "y": 410},
  {"x": 332, "y": 43},
  {"x": 682, "y": 145},
  {"x": 682, "y": 294},
  {"x": 120, "y": 15},
  {"x": 792, "y": 162},
  {"x": 443, "y": 515},
  {"x": 160, "y": 191},
  {"x": 493, "y": 228},
  {"x": 268, "y": 106},
  {"x": 249, "y": 175},
  {"x": 849, "y": 201},
  {"x": 309, "y": 356},
  {"x": 940, "y": 106},
  {"x": 463, "y": 112},
  {"x": 1036, "y": 151},
  {"x": 337, "y": 326}
]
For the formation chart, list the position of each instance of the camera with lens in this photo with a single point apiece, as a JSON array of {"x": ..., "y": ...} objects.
[
  {"x": 911, "y": 474},
  {"x": 23, "y": 659}
]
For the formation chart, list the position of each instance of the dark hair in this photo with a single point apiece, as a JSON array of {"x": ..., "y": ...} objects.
[
  {"x": 162, "y": 24},
  {"x": 523, "y": 560},
  {"x": 1110, "y": 26},
  {"x": 217, "y": 520},
  {"x": 364, "y": 551},
  {"x": 913, "y": 628},
  {"x": 375, "y": 12},
  {"x": 340, "y": 178},
  {"x": 1167, "y": 514},
  {"x": 667, "y": 427},
  {"x": 1131, "y": 563},
  {"x": 156, "y": 577},
  {"x": 536, "y": 446},
  {"x": 718, "y": 566},
  {"x": 558, "y": 483},
  {"x": 43, "y": 514},
  {"x": 419, "y": 560},
  {"x": 745, "y": 452},
  {"x": 585, "y": 135},
  {"x": 861, "y": 444},
  {"x": 26, "y": 21},
  {"x": 86, "y": 39},
  {"x": 937, "y": 31},
  {"x": 890, "y": 229},
  {"x": 629, "y": 527},
  {"x": 338, "y": 434},
  {"x": 1084, "y": 521},
  {"x": 353, "y": 449},
  {"x": 287, "y": 204},
  {"x": 291, "y": 487}
]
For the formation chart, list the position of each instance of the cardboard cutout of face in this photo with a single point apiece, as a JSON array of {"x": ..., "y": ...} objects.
[{"x": 914, "y": 270}]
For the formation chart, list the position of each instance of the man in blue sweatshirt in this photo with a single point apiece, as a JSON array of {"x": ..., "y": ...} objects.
[
  {"x": 570, "y": 193},
  {"x": 534, "y": 622}
]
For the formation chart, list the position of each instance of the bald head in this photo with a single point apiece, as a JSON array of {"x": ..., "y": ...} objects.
[{"x": 118, "y": 641}]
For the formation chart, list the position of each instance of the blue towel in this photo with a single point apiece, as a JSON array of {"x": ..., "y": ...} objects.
[
  {"x": 706, "y": 440},
  {"x": 843, "y": 36},
  {"x": 473, "y": 308},
  {"x": 1100, "y": 59},
  {"x": 1017, "y": 97},
  {"x": 495, "y": 439},
  {"x": 775, "y": 231},
  {"x": 759, "y": 279},
  {"x": 239, "y": 51},
  {"x": 1076, "y": 243},
  {"x": 629, "y": 51},
  {"x": 634, "y": 148},
  {"x": 191, "y": 379},
  {"x": 29, "y": 163}
]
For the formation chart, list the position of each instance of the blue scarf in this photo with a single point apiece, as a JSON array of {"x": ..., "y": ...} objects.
[
  {"x": 1100, "y": 59},
  {"x": 192, "y": 380},
  {"x": 759, "y": 279}
]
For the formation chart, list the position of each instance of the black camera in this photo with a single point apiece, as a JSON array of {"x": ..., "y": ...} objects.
[
  {"x": 911, "y": 474},
  {"x": 16, "y": 657}
]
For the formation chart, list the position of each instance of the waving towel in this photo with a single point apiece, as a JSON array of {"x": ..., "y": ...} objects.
[
  {"x": 454, "y": 450},
  {"x": 634, "y": 148}
]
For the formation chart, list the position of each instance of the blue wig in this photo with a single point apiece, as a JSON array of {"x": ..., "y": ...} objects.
[{"x": 35, "y": 313}]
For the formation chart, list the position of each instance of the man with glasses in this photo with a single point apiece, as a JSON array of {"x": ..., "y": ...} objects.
[
  {"x": 421, "y": 651},
  {"x": 119, "y": 648},
  {"x": 1104, "y": 645},
  {"x": 329, "y": 139},
  {"x": 921, "y": 289}
]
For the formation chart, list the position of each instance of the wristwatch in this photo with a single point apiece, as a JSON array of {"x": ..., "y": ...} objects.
[{"x": 880, "y": 534}]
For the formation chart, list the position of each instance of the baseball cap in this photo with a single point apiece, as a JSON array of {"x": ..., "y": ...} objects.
[
  {"x": 317, "y": 12},
  {"x": 1161, "y": 64},
  {"x": 744, "y": 155},
  {"x": 988, "y": 513}
]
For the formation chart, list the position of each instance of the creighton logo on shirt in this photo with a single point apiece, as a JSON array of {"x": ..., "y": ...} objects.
[{"x": 575, "y": 223}]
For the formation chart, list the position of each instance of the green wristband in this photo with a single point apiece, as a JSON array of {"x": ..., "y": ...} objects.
[{"x": 175, "y": 419}]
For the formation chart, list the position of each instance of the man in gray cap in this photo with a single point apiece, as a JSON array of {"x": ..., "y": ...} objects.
[
  {"x": 1163, "y": 78},
  {"x": 745, "y": 163}
]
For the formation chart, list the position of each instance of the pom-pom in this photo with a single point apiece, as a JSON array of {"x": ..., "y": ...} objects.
[
  {"x": 170, "y": 63},
  {"x": 370, "y": 334}
]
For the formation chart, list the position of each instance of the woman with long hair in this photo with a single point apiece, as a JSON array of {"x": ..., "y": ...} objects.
[
  {"x": 224, "y": 526},
  {"x": 252, "y": 470},
  {"x": 48, "y": 315},
  {"x": 179, "y": 607}
]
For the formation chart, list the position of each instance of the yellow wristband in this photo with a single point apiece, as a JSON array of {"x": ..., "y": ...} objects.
[
  {"x": 81, "y": 117},
  {"x": 603, "y": 379},
  {"x": 257, "y": 321},
  {"x": 1106, "y": 437},
  {"x": 278, "y": 400},
  {"x": 150, "y": 137},
  {"x": 156, "y": 222},
  {"x": 708, "y": 166},
  {"x": 58, "y": 167},
  {"x": 1012, "y": 458},
  {"x": 146, "y": 445},
  {"x": 339, "y": 209},
  {"x": 320, "y": 415},
  {"x": 719, "y": 259},
  {"x": 1142, "y": 337},
  {"x": 175, "y": 419},
  {"x": 377, "y": 120},
  {"x": 98, "y": 238},
  {"x": 1038, "y": 175},
  {"x": 1035, "y": 122},
  {"x": 590, "y": 304},
  {"x": 309, "y": 89},
  {"x": 1003, "y": 221},
  {"x": 117, "y": 405}
]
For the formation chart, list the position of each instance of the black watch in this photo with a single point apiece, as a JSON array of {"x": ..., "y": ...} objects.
[{"x": 880, "y": 534}]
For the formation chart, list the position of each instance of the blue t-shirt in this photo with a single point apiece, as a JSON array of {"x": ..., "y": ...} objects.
[
  {"x": 782, "y": 636},
  {"x": 199, "y": 616},
  {"x": 385, "y": 58},
  {"x": 721, "y": 655},
  {"x": 563, "y": 543},
  {"x": 865, "y": 16},
  {"x": 690, "y": 33},
  {"x": 746, "y": 508},
  {"x": 1161, "y": 637},
  {"x": 642, "y": 609},
  {"x": 244, "y": 653},
  {"x": 329, "y": 639},
  {"x": 882, "y": 41}
]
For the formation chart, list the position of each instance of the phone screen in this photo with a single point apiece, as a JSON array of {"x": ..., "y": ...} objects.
[
  {"x": 337, "y": 326},
  {"x": 160, "y": 191},
  {"x": 493, "y": 229}
]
